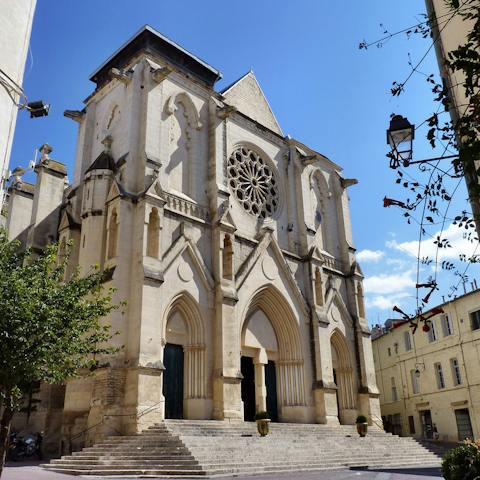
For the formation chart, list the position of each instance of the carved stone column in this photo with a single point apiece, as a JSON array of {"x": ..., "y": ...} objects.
[{"x": 260, "y": 388}]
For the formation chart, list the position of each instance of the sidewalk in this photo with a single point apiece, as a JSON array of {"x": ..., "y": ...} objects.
[{"x": 30, "y": 471}]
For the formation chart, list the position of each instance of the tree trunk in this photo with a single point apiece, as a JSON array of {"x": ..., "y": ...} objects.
[{"x": 4, "y": 431}]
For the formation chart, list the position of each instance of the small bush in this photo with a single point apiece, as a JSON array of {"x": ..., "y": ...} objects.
[
  {"x": 463, "y": 462},
  {"x": 361, "y": 419},
  {"x": 261, "y": 416}
]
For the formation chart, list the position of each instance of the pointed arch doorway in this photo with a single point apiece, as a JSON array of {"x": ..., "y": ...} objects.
[
  {"x": 184, "y": 357},
  {"x": 258, "y": 367},
  {"x": 343, "y": 375},
  {"x": 271, "y": 348}
]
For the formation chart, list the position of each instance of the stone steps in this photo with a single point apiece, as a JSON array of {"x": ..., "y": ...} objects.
[{"x": 196, "y": 448}]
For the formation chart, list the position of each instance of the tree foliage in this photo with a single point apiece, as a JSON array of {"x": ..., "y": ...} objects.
[
  {"x": 429, "y": 195},
  {"x": 463, "y": 462},
  {"x": 50, "y": 326}
]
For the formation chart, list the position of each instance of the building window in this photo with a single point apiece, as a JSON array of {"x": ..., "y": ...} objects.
[
  {"x": 112, "y": 235},
  {"x": 394, "y": 390},
  {"x": 407, "y": 340},
  {"x": 415, "y": 382},
  {"x": 411, "y": 425},
  {"x": 152, "y": 233},
  {"x": 318, "y": 287},
  {"x": 227, "y": 258},
  {"x": 447, "y": 325},
  {"x": 475, "y": 320},
  {"x": 389, "y": 351},
  {"x": 439, "y": 375},
  {"x": 432, "y": 333},
  {"x": 253, "y": 182},
  {"x": 457, "y": 378},
  {"x": 395, "y": 347},
  {"x": 360, "y": 301},
  {"x": 464, "y": 426}
]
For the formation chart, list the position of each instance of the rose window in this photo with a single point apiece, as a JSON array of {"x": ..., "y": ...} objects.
[{"x": 253, "y": 182}]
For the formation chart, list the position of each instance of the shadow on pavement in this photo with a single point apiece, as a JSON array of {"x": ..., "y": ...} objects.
[
  {"x": 26, "y": 463},
  {"x": 427, "y": 471}
]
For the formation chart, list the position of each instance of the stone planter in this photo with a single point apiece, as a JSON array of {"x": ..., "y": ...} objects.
[
  {"x": 263, "y": 427},
  {"x": 362, "y": 429}
]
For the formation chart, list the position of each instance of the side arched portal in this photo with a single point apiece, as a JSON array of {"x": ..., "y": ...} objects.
[
  {"x": 185, "y": 386},
  {"x": 271, "y": 336},
  {"x": 343, "y": 373}
]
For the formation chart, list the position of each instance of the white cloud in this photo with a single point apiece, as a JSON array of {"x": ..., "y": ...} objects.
[
  {"x": 385, "y": 302},
  {"x": 370, "y": 255},
  {"x": 429, "y": 249},
  {"x": 398, "y": 263},
  {"x": 386, "y": 283}
]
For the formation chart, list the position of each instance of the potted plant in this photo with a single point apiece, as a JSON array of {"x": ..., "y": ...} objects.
[
  {"x": 262, "y": 419},
  {"x": 362, "y": 425}
]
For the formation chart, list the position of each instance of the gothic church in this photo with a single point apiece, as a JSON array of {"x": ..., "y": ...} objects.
[{"x": 230, "y": 242}]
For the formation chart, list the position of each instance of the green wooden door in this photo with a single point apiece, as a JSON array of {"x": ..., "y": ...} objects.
[
  {"x": 173, "y": 380},
  {"x": 248, "y": 388},
  {"x": 271, "y": 384}
]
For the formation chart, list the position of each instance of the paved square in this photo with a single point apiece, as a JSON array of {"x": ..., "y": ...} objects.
[{"x": 30, "y": 471}]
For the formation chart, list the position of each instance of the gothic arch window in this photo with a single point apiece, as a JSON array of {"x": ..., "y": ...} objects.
[
  {"x": 112, "y": 235},
  {"x": 318, "y": 287},
  {"x": 323, "y": 212},
  {"x": 253, "y": 182},
  {"x": 227, "y": 258},
  {"x": 360, "y": 301},
  {"x": 183, "y": 125},
  {"x": 152, "y": 233}
]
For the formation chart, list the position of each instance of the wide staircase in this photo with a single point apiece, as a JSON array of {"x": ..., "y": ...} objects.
[{"x": 188, "y": 448}]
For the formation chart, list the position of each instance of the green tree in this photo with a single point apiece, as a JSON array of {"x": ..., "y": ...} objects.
[{"x": 50, "y": 327}]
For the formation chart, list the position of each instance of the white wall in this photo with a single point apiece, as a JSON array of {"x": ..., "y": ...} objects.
[{"x": 16, "y": 18}]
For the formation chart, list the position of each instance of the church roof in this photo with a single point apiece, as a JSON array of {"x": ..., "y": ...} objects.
[
  {"x": 103, "y": 162},
  {"x": 150, "y": 40},
  {"x": 247, "y": 96}
]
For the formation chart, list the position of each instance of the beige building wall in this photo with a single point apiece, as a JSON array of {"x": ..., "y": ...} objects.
[
  {"x": 455, "y": 348},
  {"x": 16, "y": 18},
  {"x": 450, "y": 30}
]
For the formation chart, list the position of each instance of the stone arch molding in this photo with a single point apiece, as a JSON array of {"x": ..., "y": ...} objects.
[
  {"x": 320, "y": 196},
  {"x": 185, "y": 99},
  {"x": 344, "y": 372},
  {"x": 290, "y": 364},
  {"x": 187, "y": 306},
  {"x": 195, "y": 361},
  {"x": 335, "y": 301}
]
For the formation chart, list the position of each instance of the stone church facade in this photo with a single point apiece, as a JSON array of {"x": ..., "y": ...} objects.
[{"x": 230, "y": 242}]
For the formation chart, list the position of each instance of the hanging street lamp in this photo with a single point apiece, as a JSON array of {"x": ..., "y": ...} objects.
[{"x": 400, "y": 137}]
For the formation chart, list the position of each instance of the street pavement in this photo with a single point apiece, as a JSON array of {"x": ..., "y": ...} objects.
[{"x": 30, "y": 471}]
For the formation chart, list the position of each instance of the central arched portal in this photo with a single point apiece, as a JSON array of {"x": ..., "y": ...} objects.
[{"x": 272, "y": 359}]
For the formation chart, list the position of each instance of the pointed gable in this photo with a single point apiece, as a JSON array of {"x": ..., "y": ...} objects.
[{"x": 247, "y": 96}]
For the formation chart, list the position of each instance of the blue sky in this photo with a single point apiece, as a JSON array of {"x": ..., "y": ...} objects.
[{"x": 323, "y": 89}]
